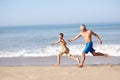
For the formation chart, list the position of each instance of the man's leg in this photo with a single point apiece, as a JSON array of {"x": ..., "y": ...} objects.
[
  {"x": 83, "y": 60},
  {"x": 99, "y": 54}
]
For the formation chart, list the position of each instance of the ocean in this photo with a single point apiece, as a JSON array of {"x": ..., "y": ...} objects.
[{"x": 34, "y": 41}]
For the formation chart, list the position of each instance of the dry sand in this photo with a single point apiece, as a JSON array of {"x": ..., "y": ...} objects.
[{"x": 103, "y": 72}]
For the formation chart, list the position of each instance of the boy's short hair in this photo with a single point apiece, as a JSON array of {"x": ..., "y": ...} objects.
[{"x": 61, "y": 34}]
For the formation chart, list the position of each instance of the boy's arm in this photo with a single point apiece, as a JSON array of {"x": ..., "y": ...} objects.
[
  {"x": 96, "y": 35},
  {"x": 55, "y": 43},
  {"x": 74, "y": 38}
]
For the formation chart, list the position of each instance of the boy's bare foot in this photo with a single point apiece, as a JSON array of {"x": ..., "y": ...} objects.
[
  {"x": 77, "y": 65},
  {"x": 56, "y": 64},
  {"x": 78, "y": 60}
]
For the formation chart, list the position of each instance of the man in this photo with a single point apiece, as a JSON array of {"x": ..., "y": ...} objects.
[{"x": 87, "y": 36}]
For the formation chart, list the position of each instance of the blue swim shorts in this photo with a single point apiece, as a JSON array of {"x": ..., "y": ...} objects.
[{"x": 89, "y": 47}]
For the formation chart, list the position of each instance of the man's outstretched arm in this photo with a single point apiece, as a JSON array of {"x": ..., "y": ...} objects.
[
  {"x": 96, "y": 35},
  {"x": 74, "y": 38}
]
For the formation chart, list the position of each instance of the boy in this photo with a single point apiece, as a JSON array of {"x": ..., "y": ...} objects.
[{"x": 64, "y": 49}]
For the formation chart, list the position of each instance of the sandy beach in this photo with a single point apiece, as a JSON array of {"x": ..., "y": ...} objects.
[
  {"x": 37, "y": 34},
  {"x": 41, "y": 68},
  {"x": 102, "y": 72}
]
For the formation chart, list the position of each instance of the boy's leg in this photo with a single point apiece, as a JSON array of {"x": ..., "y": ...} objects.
[
  {"x": 83, "y": 60},
  {"x": 58, "y": 59},
  {"x": 59, "y": 56},
  {"x": 74, "y": 58}
]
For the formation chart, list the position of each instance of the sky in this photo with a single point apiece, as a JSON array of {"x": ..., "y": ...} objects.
[{"x": 37, "y": 12}]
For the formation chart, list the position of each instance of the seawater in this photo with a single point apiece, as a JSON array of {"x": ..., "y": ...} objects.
[{"x": 34, "y": 41}]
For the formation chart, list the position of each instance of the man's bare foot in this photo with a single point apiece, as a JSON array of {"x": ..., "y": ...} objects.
[
  {"x": 106, "y": 55},
  {"x": 80, "y": 66},
  {"x": 56, "y": 64}
]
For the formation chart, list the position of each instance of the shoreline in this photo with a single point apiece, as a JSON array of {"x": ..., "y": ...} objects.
[{"x": 50, "y": 61}]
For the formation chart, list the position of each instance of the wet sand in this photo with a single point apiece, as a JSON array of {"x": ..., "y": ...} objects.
[{"x": 48, "y": 61}]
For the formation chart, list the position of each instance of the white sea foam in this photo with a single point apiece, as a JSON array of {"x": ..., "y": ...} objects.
[{"x": 112, "y": 50}]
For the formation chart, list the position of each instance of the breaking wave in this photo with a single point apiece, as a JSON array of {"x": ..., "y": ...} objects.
[{"x": 112, "y": 50}]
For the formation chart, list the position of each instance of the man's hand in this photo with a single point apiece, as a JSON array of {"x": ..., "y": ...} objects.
[
  {"x": 100, "y": 42},
  {"x": 69, "y": 40},
  {"x": 74, "y": 38}
]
